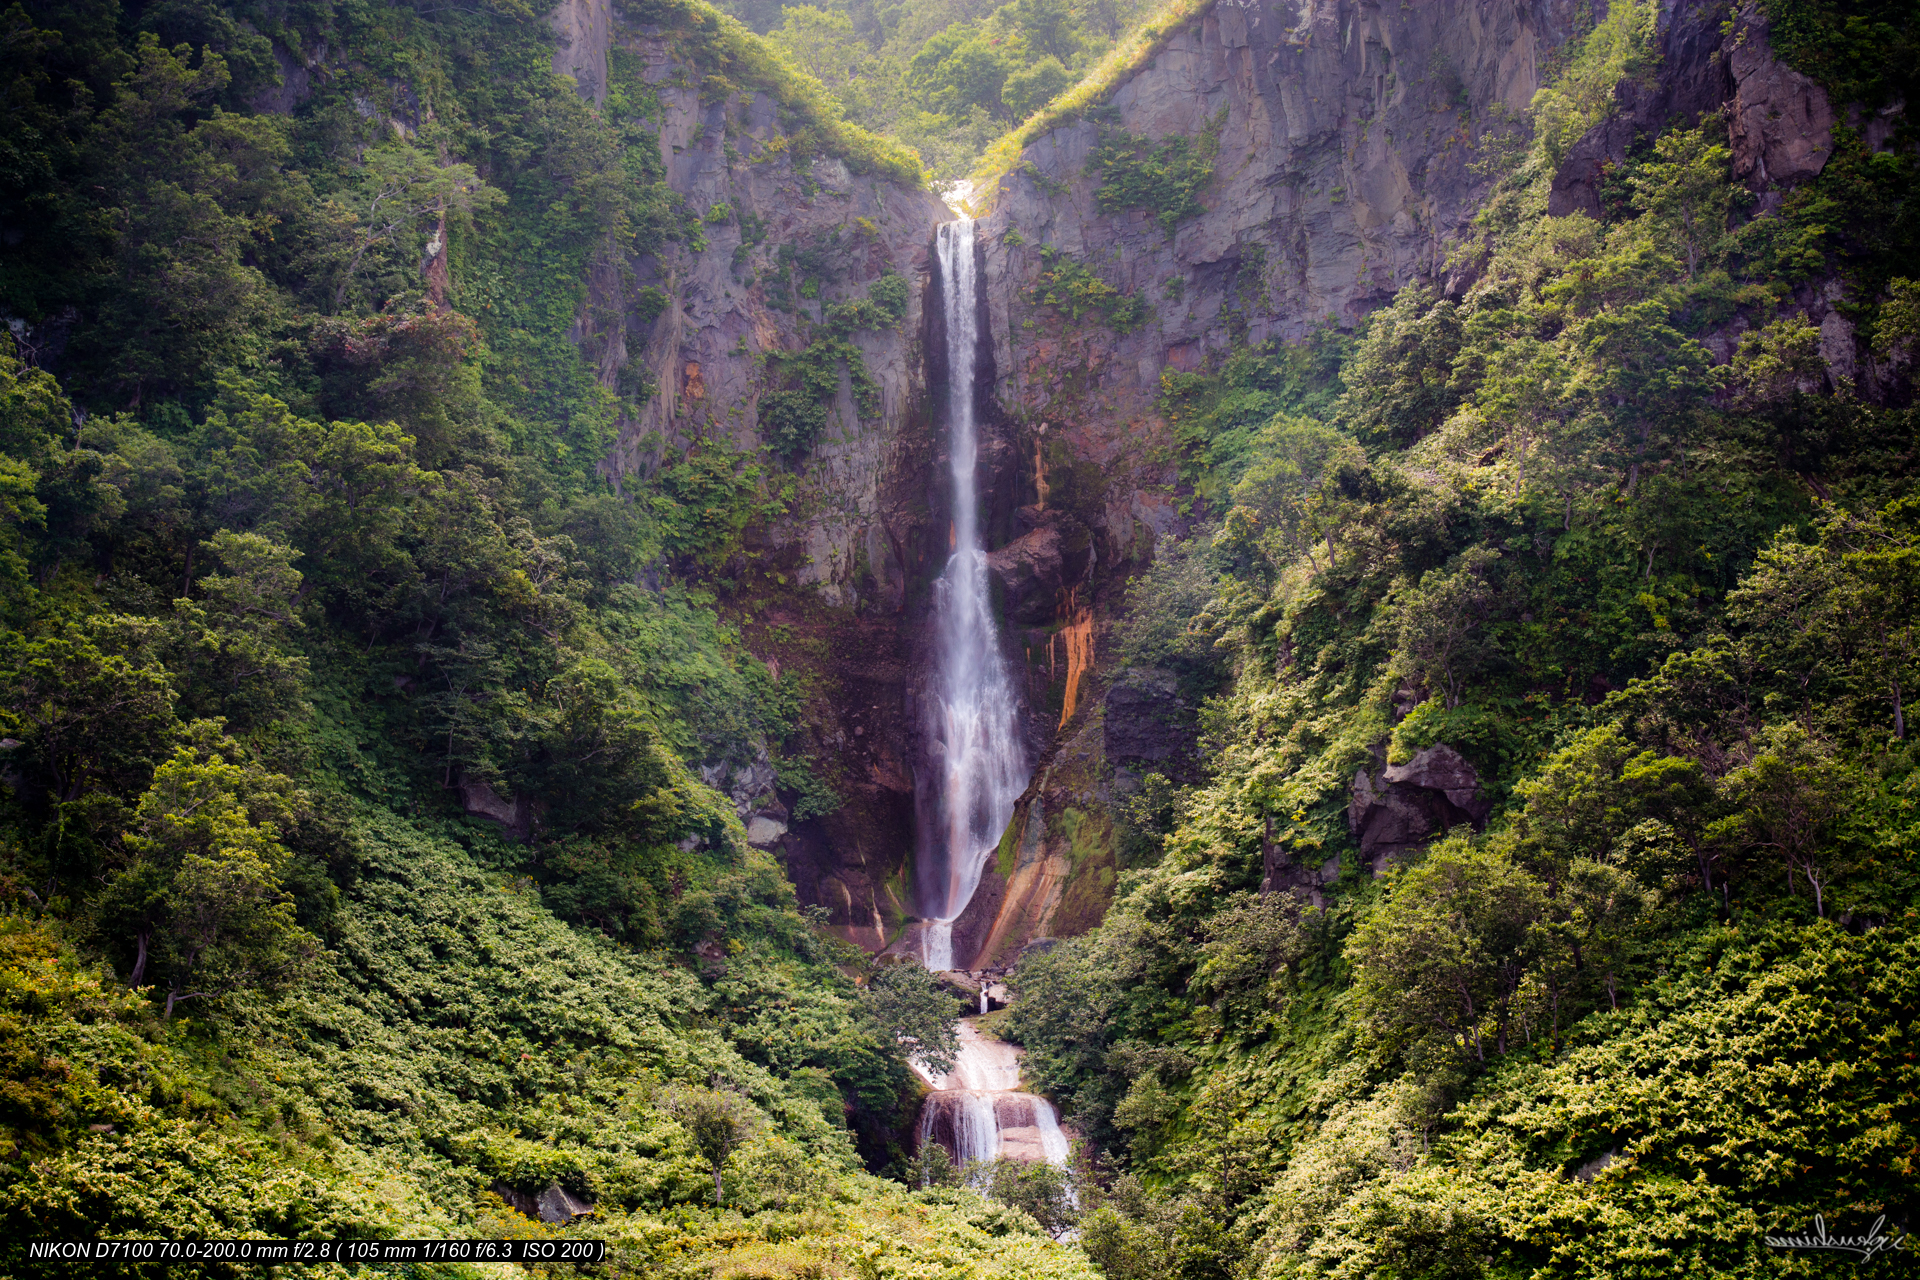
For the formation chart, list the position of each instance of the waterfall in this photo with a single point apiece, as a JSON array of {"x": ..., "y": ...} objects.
[
  {"x": 978, "y": 1113},
  {"x": 977, "y": 767}
]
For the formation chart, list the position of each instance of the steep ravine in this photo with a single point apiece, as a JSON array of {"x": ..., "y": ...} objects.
[{"x": 1345, "y": 170}]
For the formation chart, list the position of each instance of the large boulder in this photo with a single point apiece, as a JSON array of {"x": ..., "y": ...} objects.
[
  {"x": 1027, "y": 572},
  {"x": 1395, "y": 809}
]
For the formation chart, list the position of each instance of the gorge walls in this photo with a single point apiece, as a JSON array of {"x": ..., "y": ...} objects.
[{"x": 1343, "y": 168}]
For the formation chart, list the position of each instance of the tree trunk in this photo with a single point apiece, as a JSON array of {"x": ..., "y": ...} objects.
[{"x": 140, "y": 959}]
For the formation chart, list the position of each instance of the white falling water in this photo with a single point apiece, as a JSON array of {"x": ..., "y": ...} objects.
[
  {"x": 978, "y": 768},
  {"x": 979, "y": 1113},
  {"x": 978, "y": 765}
]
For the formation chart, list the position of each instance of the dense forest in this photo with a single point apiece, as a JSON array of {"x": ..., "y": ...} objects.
[{"x": 370, "y": 868}]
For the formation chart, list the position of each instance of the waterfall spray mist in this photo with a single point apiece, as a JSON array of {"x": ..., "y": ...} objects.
[{"x": 978, "y": 766}]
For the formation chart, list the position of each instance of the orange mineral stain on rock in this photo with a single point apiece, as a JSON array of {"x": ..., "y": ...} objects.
[
  {"x": 696, "y": 387},
  {"x": 1077, "y": 636}
]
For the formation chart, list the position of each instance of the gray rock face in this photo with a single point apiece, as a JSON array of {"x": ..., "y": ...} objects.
[
  {"x": 555, "y": 1204},
  {"x": 1780, "y": 124},
  {"x": 867, "y": 528},
  {"x": 1027, "y": 572},
  {"x": 1441, "y": 768},
  {"x": 751, "y": 787},
  {"x": 1344, "y": 145},
  {"x": 705, "y": 354},
  {"x": 1147, "y": 719},
  {"x": 517, "y": 815}
]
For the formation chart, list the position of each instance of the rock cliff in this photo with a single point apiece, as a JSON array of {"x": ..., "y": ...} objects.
[{"x": 783, "y": 239}]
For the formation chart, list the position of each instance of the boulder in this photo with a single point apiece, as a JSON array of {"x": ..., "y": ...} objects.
[
  {"x": 517, "y": 814},
  {"x": 555, "y": 1204},
  {"x": 1780, "y": 124},
  {"x": 1441, "y": 768},
  {"x": 1394, "y": 810},
  {"x": 1027, "y": 572}
]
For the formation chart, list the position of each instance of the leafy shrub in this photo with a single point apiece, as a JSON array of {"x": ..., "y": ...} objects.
[
  {"x": 1165, "y": 179},
  {"x": 1075, "y": 290}
]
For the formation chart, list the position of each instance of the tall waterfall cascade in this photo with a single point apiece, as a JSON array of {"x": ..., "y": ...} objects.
[
  {"x": 976, "y": 763},
  {"x": 975, "y": 756}
]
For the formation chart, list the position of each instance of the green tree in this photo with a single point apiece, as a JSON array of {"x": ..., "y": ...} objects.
[
  {"x": 1449, "y": 947},
  {"x": 90, "y": 703},
  {"x": 1787, "y": 799},
  {"x": 1048, "y": 27},
  {"x": 1442, "y": 637},
  {"x": 1687, "y": 189},
  {"x": 719, "y": 1121},
  {"x": 960, "y": 69},
  {"x": 399, "y": 187},
  {"x": 1298, "y": 495},
  {"x": 1401, "y": 381},
  {"x": 201, "y": 892},
  {"x": 1035, "y": 85},
  {"x": 1037, "y": 1187},
  {"x": 916, "y": 1013},
  {"x": 233, "y": 649}
]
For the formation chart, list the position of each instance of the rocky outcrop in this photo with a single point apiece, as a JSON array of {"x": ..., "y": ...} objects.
[
  {"x": 1345, "y": 137},
  {"x": 1058, "y": 862},
  {"x": 555, "y": 1204},
  {"x": 517, "y": 815},
  {"x": 752, "y": 788},
  {"x": 1695, "y": 80},
  {"x": 862, "y": 485},
  {"x": 1148, "y": 722},
  {"x": 1779, "y": 122},
  {"x": 1397, "y": 809}
]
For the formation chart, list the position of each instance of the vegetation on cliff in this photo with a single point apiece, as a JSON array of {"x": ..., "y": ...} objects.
[{"x": 1616, "y": 527}]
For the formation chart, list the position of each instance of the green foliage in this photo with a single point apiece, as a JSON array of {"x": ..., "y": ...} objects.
[
  {"x": 1621, "y": 47},
  {"x": 1861, "y": 52},
  {"x": 1217, "y": 416},
  {"x": 1165, "y": 180},
  {"x": 1041, "y": 1190},
  {"x": 793, "y": 416},
  {"x": 1074, "y": 289},
  {"x": 1124, "y": 57},
  {"x": 916, "y": 1012}
]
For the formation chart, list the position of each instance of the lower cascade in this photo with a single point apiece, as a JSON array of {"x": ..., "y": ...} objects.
[{"x": 978, "y": 1113}]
